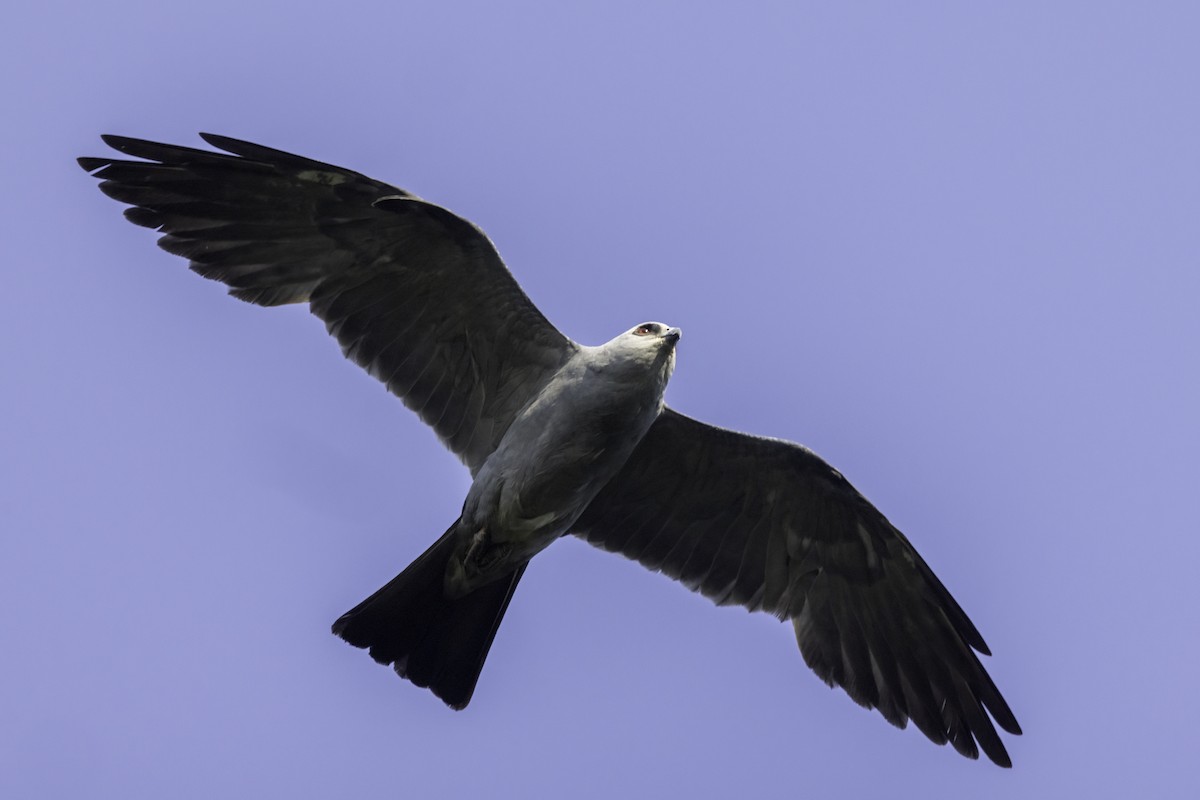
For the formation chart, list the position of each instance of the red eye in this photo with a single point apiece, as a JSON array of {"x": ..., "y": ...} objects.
[{"x": 643, "y": 330}]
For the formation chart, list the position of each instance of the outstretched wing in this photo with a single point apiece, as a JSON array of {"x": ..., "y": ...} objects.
[
  {"x": 414, "y": 294},
  {"x": 767, "y": 524}
]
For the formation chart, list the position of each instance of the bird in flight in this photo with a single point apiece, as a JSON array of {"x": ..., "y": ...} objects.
[{"x": 560, "y": 438}]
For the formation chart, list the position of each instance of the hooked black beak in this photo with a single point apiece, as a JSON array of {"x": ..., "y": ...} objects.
[{"x": 672, "y": 335}]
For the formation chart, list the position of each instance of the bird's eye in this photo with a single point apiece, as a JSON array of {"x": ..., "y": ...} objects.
[{"x": 643, "y": 330}]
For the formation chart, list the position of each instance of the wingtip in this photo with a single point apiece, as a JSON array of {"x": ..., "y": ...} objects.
[
  {"x": 1006, "y": 720},
  {"x": 91, "y": 163},
  {"x": 121, "y": 143},
  {"x": 215, "y": 140},
  {"x": 1000, "y": 758}
]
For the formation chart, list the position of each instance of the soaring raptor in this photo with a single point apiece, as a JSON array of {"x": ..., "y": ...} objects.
[{"x": 560, "y": 438}]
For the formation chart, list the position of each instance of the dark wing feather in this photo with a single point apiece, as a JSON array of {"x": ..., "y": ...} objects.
[
  {"x": 414, "y": 294},
  {"x": 767, "y": 524}
]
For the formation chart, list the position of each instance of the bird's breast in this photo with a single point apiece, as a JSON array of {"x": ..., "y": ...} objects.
[{"x": 560, "y": 452}]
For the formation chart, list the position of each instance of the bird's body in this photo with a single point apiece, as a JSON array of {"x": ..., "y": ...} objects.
[
  {"x": 560, "y": 451},
  {"x": 560, "y": 438}
]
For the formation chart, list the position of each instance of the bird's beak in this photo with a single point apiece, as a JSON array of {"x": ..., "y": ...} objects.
[{"x": 672, "y": 335}]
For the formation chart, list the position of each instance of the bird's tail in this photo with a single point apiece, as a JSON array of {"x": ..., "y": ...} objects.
[{"x": 432, "y": 640}]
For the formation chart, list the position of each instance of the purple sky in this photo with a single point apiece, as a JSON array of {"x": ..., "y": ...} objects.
[{"x": 954, "y": 249}]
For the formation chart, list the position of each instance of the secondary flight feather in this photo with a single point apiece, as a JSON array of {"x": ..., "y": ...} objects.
[{"x": 560, "y": 438}]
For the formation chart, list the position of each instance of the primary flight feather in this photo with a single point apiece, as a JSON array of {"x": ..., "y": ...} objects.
[{"x": 559, "y": 438}]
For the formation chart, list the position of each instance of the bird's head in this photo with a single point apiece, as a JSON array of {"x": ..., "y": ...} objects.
[
  {"x": 650, "y": 345},
  {"x": 652, "y": 338}
]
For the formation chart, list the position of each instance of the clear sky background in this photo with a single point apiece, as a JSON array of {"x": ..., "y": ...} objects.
[{"x": 953, "y": 247}]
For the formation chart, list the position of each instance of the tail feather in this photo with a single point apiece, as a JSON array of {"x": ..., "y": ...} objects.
[{"x": 428, "y": 638}]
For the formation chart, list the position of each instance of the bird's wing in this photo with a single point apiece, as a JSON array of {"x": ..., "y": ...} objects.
[
  {"x": 767, "y": 524},
  {"x": 414, "y": 294}
]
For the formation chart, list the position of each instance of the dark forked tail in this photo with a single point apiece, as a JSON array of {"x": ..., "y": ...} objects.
[{"x": 430, "y": 639}]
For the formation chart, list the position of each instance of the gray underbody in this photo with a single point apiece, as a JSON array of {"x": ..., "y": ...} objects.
[{"x": 559, "y": 452}]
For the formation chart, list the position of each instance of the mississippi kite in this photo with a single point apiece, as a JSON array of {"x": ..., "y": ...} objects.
[{"x": 560, "y": 438}]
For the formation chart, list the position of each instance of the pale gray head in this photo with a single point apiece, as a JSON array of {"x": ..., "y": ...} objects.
[
  {"x": 655, "y": 334},
  {"x": 651, "y": 344}
]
